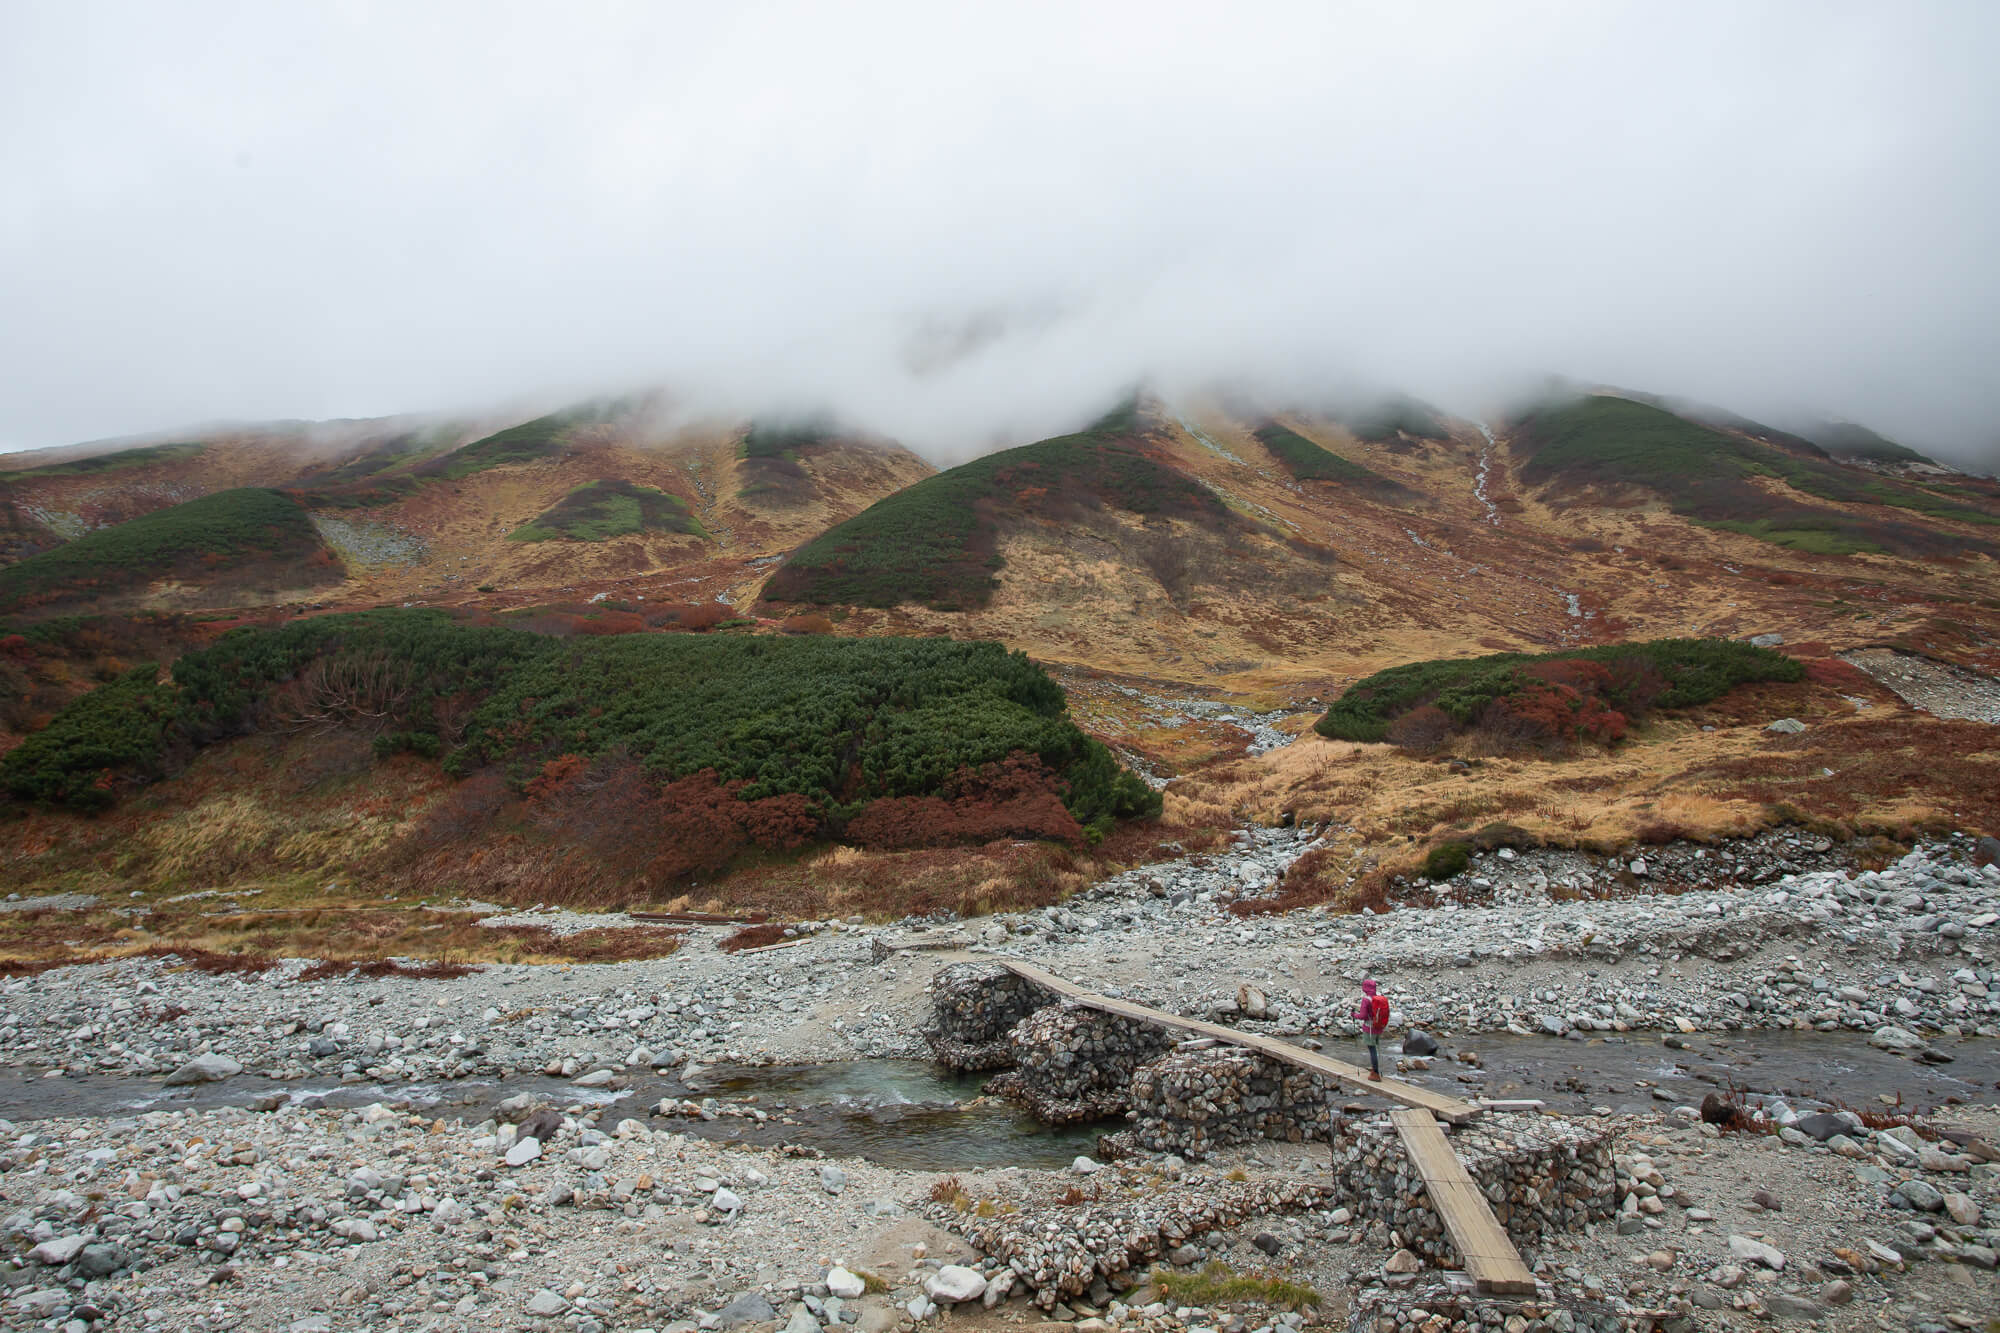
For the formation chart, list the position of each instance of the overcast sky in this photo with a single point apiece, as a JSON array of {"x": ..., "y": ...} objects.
[{"x": 962, "y": 224}]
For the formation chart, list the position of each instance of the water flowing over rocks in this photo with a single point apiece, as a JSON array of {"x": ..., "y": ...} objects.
[
  {"x": 1072, "y": 1063},
  {"x": 974, "y": 1009},
  {"x": 175, "y": 1215}
]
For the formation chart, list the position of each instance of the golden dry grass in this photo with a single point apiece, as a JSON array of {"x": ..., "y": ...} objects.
[{"x": 1885, "y": 769}]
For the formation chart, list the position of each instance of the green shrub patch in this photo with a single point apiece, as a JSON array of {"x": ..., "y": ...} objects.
[
  {"x": 531, "y": 441},
  {"x": 226, "y": 531},
  {"x": 605, "y": 509},
  {"x": 120, "y": 461},
  {"x": 1546, "y": 700},
  {"x": 1397, "y": 417},
  {"x": 935, "y": 543},
  {"x": 1712, "y": 478},
  {"x": 1308, "y": 461},
  {"x": 837, "y": 722}
]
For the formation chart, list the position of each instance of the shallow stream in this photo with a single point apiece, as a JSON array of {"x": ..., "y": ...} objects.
[{"x": 909, "y": 1114}]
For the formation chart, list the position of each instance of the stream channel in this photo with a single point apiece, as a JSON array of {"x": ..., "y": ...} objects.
[{"x": 912, "y": 1115}]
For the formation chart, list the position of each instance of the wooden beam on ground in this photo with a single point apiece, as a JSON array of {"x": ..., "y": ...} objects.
[
  {"x": 702, "y": 918},
  {"x": 1449, "y": 1109},
  {"x": 1491, "y": 1259}
]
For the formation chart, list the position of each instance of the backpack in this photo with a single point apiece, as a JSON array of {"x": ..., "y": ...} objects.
[{"x": 1378, "y": 1013}]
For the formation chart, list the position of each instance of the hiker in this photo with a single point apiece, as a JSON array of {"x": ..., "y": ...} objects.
[{"x": 1373, "y": 1013}]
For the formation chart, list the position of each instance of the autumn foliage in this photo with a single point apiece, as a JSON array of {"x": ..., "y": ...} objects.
[
  {"x": 1557, "y": 704},
  {"x": 1015, "y": 798},
  {"x": 661, "y": 835}
]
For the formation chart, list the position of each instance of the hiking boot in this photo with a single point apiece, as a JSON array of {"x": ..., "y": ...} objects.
[{"x": 1374, "y": 1077}]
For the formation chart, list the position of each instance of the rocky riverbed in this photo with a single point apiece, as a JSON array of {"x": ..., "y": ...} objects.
[{"x": 414, "y": 1216}]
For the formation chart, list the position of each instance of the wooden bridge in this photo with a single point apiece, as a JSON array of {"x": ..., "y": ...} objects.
[
  {"x": 1449, "y": 1109},
  {"x": 1489, "y": 1257}
]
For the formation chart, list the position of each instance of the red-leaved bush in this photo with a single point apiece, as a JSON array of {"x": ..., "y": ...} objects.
[
  {"x": 696, "y": 618},
  {"x": 1560, "y": 704},
  {"x": 1015, "y": 798},
  {"x": 660, "y": 835},
  {"x": 1833, "y": 673},
  {"x": 611, "y": 622}
]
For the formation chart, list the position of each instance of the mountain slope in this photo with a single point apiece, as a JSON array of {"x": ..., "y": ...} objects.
[
  {"x": 254, "y": 543},
  {"x": 1603, "y": 444},
  {"x": 936, "y": 543}
]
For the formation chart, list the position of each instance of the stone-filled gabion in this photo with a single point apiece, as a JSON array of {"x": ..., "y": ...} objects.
[
  {"x": 1193, "y": 1102},
  {"x": 1542, "y": 1175},
  {"x": 1072, "y": 1063},
  {"x": 1432, "y": 1306},
  {"x": 974, "y": 1007},
  {"x": 1059, "y": 1250}
]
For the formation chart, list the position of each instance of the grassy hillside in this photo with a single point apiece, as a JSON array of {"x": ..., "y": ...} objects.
[
  {"x": 1308, "y": 461},
  {"x": 605, "y": 509},
  {"x": 528, "y": 442},
  {"x": 120, "y": 461},
  {"x": 772, "y": 469},
  {"x": 835, "y": 725},
  {"x": 1845, "y": 439},
  {"x": 1555, "y": 696},
  {"x": 935, "y": 543},
  {"x": 1710, "y": 477},
  {"x": 248, "y": 529},
  {"x": 1397, "y": 417}
]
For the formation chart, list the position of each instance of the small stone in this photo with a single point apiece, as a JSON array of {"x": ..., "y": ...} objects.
[
  {"x": 1920, "y": 1195},
  {"x": 749, "y": 1308},
  {"x": 1787, "y": 1306},
  {"x": 204, "y": 1069},
  {"x": 1402, "y": 1261},
  {"x": 1893, "y": 1038},
  {"x": 954, "y": 1284},
  {"x": 524, "y": 1151},
  {"x": 802, "y": 1321},
  {"x": 846, "y": 1285},
  {"x": 59, "y": 1251},
  {"x": 1084, "y": 1166},
  {"x": 1787, "y": 726},
  {"x": 726, "y": 1201},
  {"x": 832, "y": 1179},
  {"x": 1751, "y": 1251},
  {"x": 102, "y": 1260},
  {"x": 1823, "y": 1125},
  {"x": 1419, "y": 1042},
  {"x": 1962, "y": 1208},
  {"x": 1660, "y": 1260},
  {"x": 1837, "y": 1292},
  {"x": 596, "y": 1078},
  {"x": 545, "y": 1304},
  {"x": 1768, "y": 1201}
]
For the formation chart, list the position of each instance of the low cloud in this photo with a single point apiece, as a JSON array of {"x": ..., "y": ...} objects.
[{"x": 964, "y": 229}]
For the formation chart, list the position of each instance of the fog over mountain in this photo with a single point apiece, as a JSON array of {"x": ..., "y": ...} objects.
[{"x": 970, "y": 225}]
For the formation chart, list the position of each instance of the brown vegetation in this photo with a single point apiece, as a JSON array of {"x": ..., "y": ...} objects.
[{"x": 753, "y": 937}]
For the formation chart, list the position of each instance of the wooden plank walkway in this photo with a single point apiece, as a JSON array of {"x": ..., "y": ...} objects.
[
  {"x": 1449, "y": 1109},
  {"x": 1491, "y": 1259}
]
